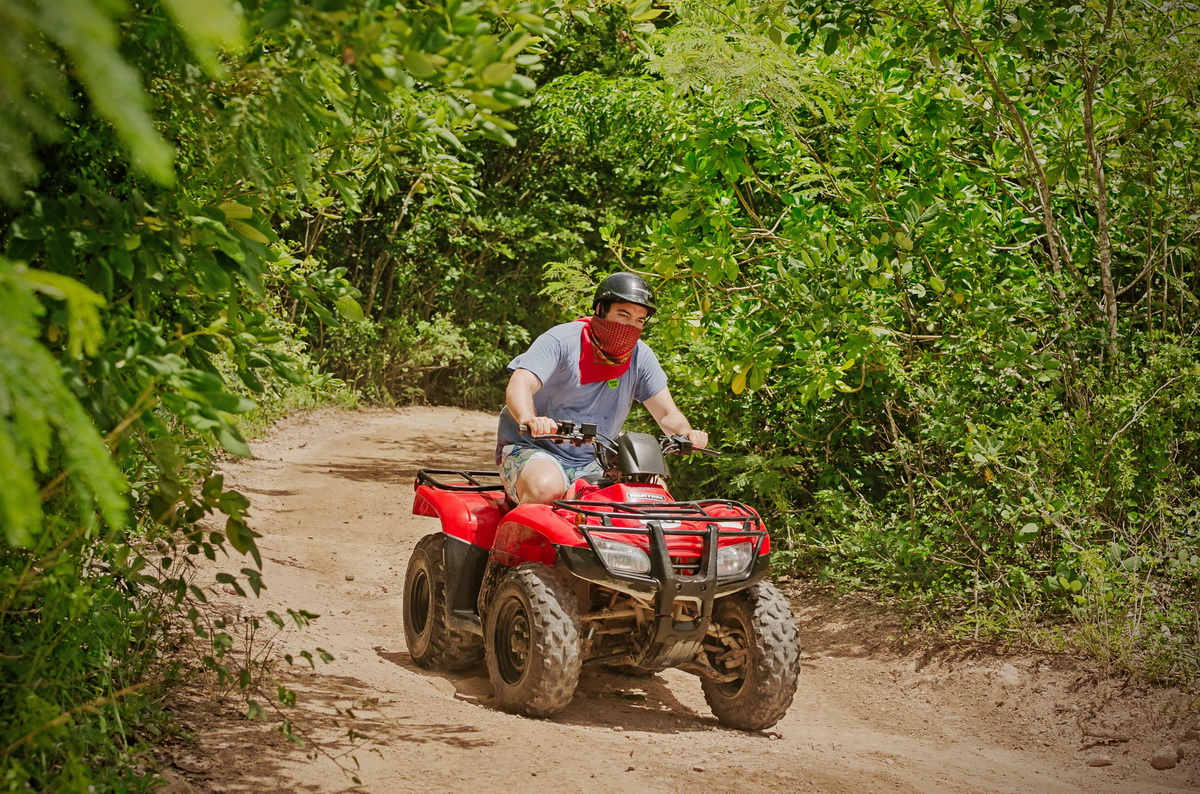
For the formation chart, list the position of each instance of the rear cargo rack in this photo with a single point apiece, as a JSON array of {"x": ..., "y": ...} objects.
[{"x": 466, "y": 480}]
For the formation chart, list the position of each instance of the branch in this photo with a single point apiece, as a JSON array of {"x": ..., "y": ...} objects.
[
  {"x": 1043, "y": 185},
  {"x": 1134, "y": 418}
]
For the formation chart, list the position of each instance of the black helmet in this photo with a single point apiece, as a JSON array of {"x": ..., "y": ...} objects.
[{"x": 625, "y": 288}]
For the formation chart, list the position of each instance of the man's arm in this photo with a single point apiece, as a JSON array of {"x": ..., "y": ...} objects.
[
  {"x": 672, "y": 421},
  {"x": 519, "y": 398}
]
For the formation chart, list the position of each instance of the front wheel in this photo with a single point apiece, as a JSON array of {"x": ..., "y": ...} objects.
[
  {"x": 760, "y": 648},
  {"x": 432, "y": 643},
  {"x": 532, "y": 644}
]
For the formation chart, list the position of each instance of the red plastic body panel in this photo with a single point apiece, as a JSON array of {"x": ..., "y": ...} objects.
[
  {"x": 468, "y": 515},
  {"x": 517, "y": 542},
  {"x": 547, "y": 521},
  {"x": 530, "y": 533}
]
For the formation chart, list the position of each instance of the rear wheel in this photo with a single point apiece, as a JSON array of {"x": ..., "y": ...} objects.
[
  {"x": 532, "y": 642},
  {"x": 760, "y": 649},
  {"x": 433, "y": 644}
]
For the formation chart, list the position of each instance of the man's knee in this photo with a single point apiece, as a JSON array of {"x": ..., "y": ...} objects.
[{"x": 540, "y": 484}]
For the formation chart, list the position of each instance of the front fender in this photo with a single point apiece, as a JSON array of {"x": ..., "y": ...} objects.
[{"x": 532, "y": 533}]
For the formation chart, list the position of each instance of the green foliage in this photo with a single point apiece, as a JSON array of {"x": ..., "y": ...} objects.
[
  {"x": 452, "y": 290},
  {"x": 37, "y": 409},
  {"x": 42, "y": 35}
]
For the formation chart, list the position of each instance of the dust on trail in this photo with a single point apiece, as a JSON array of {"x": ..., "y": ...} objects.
[{"x": 876, "y": 711}]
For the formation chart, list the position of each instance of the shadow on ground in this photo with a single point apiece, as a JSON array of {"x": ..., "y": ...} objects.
[{"x": 604, "y": 699}]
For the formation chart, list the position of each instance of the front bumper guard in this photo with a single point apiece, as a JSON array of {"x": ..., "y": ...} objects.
[{"x": 665, "y": 585}]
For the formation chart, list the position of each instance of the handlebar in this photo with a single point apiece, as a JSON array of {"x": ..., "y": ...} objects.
[{"x": 579, "y": 433}]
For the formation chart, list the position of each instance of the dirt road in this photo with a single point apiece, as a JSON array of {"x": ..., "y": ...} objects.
[{"x": 876, "y": 711}]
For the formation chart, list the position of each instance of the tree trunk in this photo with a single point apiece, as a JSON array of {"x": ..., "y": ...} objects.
[{"x": 384, "y": 263}]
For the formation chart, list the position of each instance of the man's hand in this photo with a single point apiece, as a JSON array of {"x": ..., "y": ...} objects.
[
  {"x": 541, "y": 426},
  {"x": 698, "y": 438}
]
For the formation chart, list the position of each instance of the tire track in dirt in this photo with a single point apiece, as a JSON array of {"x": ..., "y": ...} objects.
[{"x": 875, "y": 711}]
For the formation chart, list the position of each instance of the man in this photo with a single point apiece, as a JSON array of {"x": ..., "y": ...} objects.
[{"x": 591, "y": 370}]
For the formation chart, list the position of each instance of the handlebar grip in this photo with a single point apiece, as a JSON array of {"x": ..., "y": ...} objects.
[
  {"x": 684, "y": 446},
  {"x": 556, "y": 436}
]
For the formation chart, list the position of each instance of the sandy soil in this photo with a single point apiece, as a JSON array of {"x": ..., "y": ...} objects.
[{"x": 878, "y": 709}]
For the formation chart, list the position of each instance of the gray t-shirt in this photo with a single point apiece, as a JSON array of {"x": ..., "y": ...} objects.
[{"x": 554, "y": 358}]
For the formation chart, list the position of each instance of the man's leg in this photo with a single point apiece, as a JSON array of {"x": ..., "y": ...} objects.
[
  {"x": 532, "y": 476},
  {"x": 541, "y": 481}
]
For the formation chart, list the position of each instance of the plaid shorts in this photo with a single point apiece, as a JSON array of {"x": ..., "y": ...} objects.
[{"x": 513, "y": 459}]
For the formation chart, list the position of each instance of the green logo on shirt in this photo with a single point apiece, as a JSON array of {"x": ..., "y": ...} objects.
[{"x": 614, "y": 383}]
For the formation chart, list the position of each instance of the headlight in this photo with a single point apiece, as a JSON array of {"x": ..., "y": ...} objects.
[
  {"x": 619, "y": 556},
  {"x": 732, "y": 560}
]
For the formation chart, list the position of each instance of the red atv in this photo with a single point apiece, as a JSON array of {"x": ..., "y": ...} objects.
[{"x": 618, "y": 573}]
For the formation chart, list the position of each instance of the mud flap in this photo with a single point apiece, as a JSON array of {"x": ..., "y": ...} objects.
[{"x": 465, "y": 564}]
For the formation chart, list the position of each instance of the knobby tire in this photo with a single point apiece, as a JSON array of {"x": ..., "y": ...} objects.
[
  {"x": 760, "y": 615},
  {"x": 431, "y": 642}
]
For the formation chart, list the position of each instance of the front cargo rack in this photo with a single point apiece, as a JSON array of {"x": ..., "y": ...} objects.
[
  {"x": 667, "y": 519},
  {"x": 467, "y": 480},
  {"x": 681, "y": 512}
]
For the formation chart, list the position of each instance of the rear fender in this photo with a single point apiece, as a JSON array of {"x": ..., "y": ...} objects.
[{"x": 466, "y": 515}]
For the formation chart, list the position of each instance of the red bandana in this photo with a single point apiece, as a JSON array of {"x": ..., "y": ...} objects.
[{"x": 605, "y": 349}]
